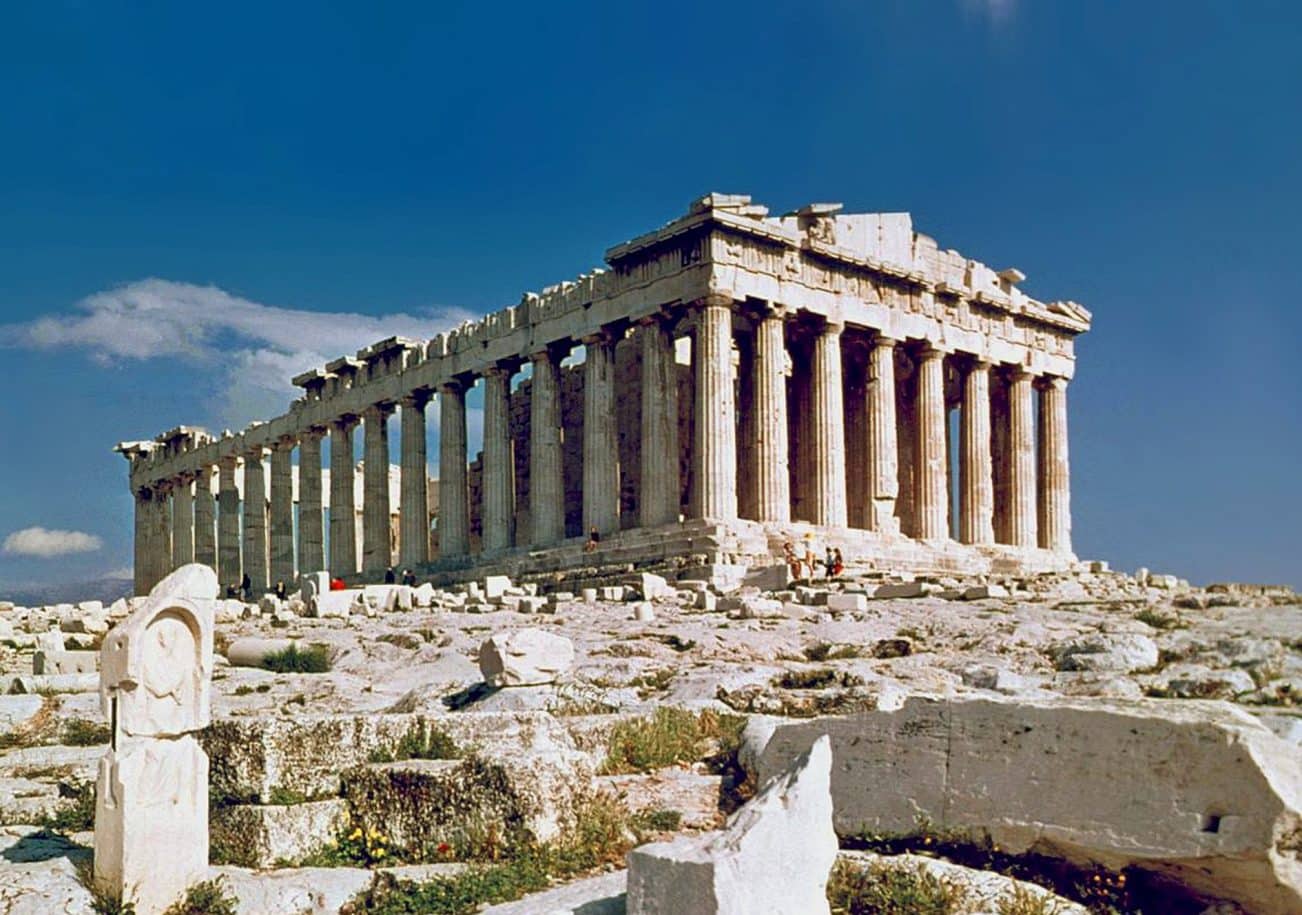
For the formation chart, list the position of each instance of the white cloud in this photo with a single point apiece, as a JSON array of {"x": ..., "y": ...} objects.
[
  {"x": 257, "y": 347},
  {"x": 37, "y": 541}
]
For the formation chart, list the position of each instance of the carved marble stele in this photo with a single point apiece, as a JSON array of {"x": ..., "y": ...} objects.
[{"x": 151, "y": 809}]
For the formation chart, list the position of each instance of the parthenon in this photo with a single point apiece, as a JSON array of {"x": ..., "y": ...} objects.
[{"x": 746, "y": 379}]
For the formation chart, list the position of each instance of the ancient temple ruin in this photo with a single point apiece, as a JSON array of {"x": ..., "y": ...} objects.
[{"x": 745, "y": 380}]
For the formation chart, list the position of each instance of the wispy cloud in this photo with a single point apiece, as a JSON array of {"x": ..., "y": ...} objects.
[
  {"x": 37, "y": 541},
  {"x": 257, "y": 347}
]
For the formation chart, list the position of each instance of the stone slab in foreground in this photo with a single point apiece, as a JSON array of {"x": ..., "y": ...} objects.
[{"x": 1198, "y": 791}]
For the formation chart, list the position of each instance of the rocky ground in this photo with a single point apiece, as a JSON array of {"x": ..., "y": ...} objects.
[{"x": 403, "y": 723}]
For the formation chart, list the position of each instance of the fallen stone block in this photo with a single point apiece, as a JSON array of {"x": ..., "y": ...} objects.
[
  {"x": 1124, "y": 652},
  {"x": 724, "y": 578},
  {"x": 16, "y": 711},
  {"x": 65, "y": 662},
  {"x": 612, "y": 593},
  {"x": 261, "y": 836},
  {"x": 651, "y": 587},
  {"x": 1199, "y": 792},
  {"x": 769, "y": 578},
  {"x": 902, "y": 589},
  {"x": 985, "y": 592},
  {"x": 50, "y": 641},
  {"x": 772, "y": 858},
  {"x": 495, "y": 586},
  {"x": 251, "y": 652},
  {"x": 847, "y": 601},
  {"x": 53, "y": 683},
  {"x": 526, "y": 657},
  {"x": 340, "y": 604},
  {"x": 531, "y": 604}
]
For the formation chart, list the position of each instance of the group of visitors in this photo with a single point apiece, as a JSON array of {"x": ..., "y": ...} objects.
[{"x": 805, "y": 565}]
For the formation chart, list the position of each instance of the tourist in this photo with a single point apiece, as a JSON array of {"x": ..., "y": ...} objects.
[
  {"x": 838, "y": 563},
  {"x": 409, "y": 578},
  {"x": 829, "y": 564},
  {"x": 390, "y": 576},
  {"x": 594, "y": 537},
  {"x": 811, "y": 555},
  {"x": 246, "y": 588},
  {"x": 280, "y": 590},
  {"x": 792, "y": 560}
]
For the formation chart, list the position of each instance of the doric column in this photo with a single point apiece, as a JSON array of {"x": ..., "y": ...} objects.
[
  {"x": 311, "y": 520},
  {"x": 413, "y": 534},
  {"x": 1055, "y": 468},
  {"x": 182, "y": 522},
  {"x": 282, "y": 513},
  {"x": 828, "y": 428},
  {"x": 228, "y": 523},
  {"x": 499, "y": 460},
  {"x": 975, "y": 470},
  {"x": 546, "y": 477},
  {"x": 600, "y": 436},
  {"x": 1021, "y": 445},
  {"x": 377, "y": 548},
  {"x": 714, "y": 452},
  {"x": 141, "y": 560},
  {"x": 769, "y": 410},
  {"x": 255, "y": 520},
  {"x": 205, "y": 520},
  {"x": 660, "y": 484},
  {"x": 343, "y": 509},
  {"x": 882, "y": 448},
  {"x": 454, "y": 497},
  {"x": 932, "y": 492}
]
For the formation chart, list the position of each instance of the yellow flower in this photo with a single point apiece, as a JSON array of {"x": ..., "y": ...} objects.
[
  {"x": 379, "y": 853},
  {"x": 357, "y": 834}
]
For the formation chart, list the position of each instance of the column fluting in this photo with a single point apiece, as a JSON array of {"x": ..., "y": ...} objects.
[
  {"x": 413, "y": 535},
  {"x": 1055, "y": 468},
  {"x": 205, "y": 520},
  {"x": 828, "y": 428},
  {"x": 282, "y": 514},
  {"x": 377, "y": 547},
  {"x": 255, "y": 520},
  {"x": 343, "y": 506},
  {"x": 454, "y": 497},
  {"x": 882, "y": 446},
  {"x": 772, "y": 468},
  {"x": 228, "y": 523},
  {"x": 182, "y": 522},
  {"x": 1021, "y": 443},
  {"x": 499, "y": 460},
  {"x": 546, "y": 477},
  {"x": 932, "y": 493},
  {"x": 714, "y": 464},
  {"x": 600, "y": 436},
  {"x": 977, "y": 495},
  {"x": 311, "y": 510},
  {"x": 660, "y": 486}
]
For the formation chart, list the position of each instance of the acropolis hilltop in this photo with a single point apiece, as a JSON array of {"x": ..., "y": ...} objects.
[{"x": 746, "y": 379}]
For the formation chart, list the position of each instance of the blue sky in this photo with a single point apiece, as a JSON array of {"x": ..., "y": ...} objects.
[{"x": 168, "y": 173}]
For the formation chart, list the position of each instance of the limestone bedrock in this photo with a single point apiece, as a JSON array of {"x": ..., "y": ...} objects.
[
  {"x": 1224, "y": 820},
  {"x": 527, "y": 657},
  {"x": 772, "y": 858}
]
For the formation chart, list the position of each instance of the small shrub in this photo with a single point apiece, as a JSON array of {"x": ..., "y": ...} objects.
[
  {"x": 401, "y": 639},
  {"x": 1158, "y": 620},
  {"x": 315, "y": 659},
  {"x": 82, "y": 733},
  {"x": 880, "y": 889},
  {"x": 1022, "y": 901},
  {"x": 286, "y": 797},
  {"x": 206, "y": 898},
  {"x": 657, "y": 820},
  {"x": 825, "y": 651},
  {"x": 821, "y": 678},
  {"x": 102, "y": 901},
  {"x": 677, "y": 643},
  {"x": 418, "y": 743},
  {"x": 79, "y": 815},
  {"x": 670, "y": 737}
]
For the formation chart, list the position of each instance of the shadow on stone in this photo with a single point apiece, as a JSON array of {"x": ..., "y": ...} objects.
[
  {"x": 469, "y": 696},
  {"x": 44, "y": 846}
]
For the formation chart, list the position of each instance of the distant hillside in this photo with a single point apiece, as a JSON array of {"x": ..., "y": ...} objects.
[{"x": 105, "y": 589}]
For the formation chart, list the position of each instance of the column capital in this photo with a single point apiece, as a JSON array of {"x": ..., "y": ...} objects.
[
  {"x": 228, "y": 461},
  {"x": 713, "y": 300},
  {"x": 285, "y": 443},
  {"x": 1017, "y": 371},
  {"x": 932, "y": 350},
  {"x": 977, "y": 363},
  {"x": 832, "y": 325},
  {"x": 416, "y": 399},
  {"x": 1056, "y": 382},
  {"x": 313, "y": 433},
  {"x": 345, "y": 423},
  {"x": 604, "y": 335},
  {"x": 378, "y": 410},
  {"x": 254, "y": 453},
  {"x": 505, "y": 368},
  {"x": 885, "y": 340}
]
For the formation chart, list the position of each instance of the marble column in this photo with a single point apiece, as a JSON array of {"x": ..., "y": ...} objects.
[
  {"x": 161, "y": 553},
  {"x": 546, "y": 477},
  {"x": 255, "y": 520},
  {"x": 205, "y": 520},
  {"x": 182, "y": 522},
  {"x": 1055, "y": 469},
  {"x": 932, "y": 488},
  {"x": 660, "y": 484},
  {"x": 600, "y": 436},
  {"x": 413, "y": 532},
  {"x": 343, "y": 508},
  {"x": 747, "y": 453},
  {"x": 499, "y": 460},
  {"x": 377, "y": 546},
  {"x": 772, "y": 485},
  {"x": 975, "y": 468},
  {"x": 828, "y": 429},
  {"x": 882, "y": 449},
  {"x": 311, "y": 520},
  {"x": 454, "y": 494},
  {"x": 141, "y": 557},
  {"x": 228, "y": 523},
  {"x": 282, "y": 514},
  {"x": 714, "y": 452},
  {"x": 1021, "y": 445}
]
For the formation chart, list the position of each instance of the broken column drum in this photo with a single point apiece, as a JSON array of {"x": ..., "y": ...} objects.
[{"x": 734, "y": 379}]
